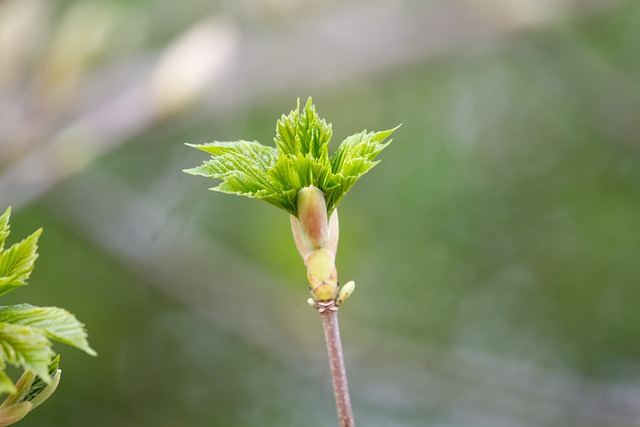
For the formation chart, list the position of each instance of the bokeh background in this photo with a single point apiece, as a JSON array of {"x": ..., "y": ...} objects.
[{"x": 496, "y": 247}]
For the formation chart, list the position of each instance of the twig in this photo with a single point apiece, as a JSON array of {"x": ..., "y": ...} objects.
[{"x": 338, "y": 372}]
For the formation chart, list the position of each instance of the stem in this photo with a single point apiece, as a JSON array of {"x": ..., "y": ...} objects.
[{"x": 338, "y": 372}]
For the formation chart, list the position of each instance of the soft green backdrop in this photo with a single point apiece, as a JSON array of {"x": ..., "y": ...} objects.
[{"x": 496, "y": 248}]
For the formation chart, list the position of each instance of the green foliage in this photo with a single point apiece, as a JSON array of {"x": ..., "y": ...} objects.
[
  {"x": 27, "y": 331},
  {"x": 25, "y": 347},
  {"x": 16, "y": 263},
  {"x": 52, "y": 322},
  {"x": 300, "y": 159}
]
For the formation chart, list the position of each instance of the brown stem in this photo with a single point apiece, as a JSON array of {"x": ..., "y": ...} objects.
[{"x": 338, "y": 372}]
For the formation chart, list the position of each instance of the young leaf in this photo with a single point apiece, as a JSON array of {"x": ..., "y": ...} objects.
[
  {"x": 6, "y": 385},
  {"x": 241, "y": 166},
  {"x": 353, "y": 159},
  {"x": 306, "y": 134},
  {"x": 4, "y": 227},
  {"x": 26, "y": 331},
  {"x": 52, "y": 322},
  {"x": 16, "y": 263},
  {"x": 297, "y": 172},
  {"x": 300, "y": 159},
  {"x": 26, "y": 347}
]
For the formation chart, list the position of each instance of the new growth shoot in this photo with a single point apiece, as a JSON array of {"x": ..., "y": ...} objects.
[
  {"x": 26, "y": 332},
  {"x": 299, "y": 176}
]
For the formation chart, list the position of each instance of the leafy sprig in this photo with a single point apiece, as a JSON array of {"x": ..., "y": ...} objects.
[
  {"x": 299, "y": 176},
  {"x": 27, "y": 332},
  {"x": 299, "y": 159}
]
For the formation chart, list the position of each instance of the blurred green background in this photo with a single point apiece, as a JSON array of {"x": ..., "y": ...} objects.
[{"x": 496, "y": 247}]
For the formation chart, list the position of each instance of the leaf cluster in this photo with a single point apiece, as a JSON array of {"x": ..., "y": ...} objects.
[
  {"x": 300, "y": 158},
  {"x": 27, "y": 331}
]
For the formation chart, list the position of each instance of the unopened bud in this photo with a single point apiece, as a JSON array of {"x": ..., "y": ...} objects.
[
  {"x": 334, "y": 233},
  {"x": 322, "y": 275},
  {"x": 14, "y": 413},
  {"x": 312, "y": 215},
  {"x": 48, "y": 390},
  {"x": 345, "y": 290},
  {"x": 320, "y": 265}
]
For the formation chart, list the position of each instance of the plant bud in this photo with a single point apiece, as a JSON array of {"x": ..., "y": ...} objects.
[
  {"x": 325, "y": 292},
  {"x": 312, "y": 215},
  {"x": 345, "y": 290},
  {"x": 322, "y": 275},
  {"x": 320, "y": 265},
  {"x": 334, "y": 233},
  {"x": 298, "y": 238},
  {"x": 14, "y": 413},
  {"x": 48, "y": 390}
]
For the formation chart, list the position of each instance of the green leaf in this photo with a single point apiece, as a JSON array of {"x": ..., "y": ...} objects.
[
  {"x": 295, "y": 172},
  {"x": 27, "y": 331},
  {"x": 6, "y": 385},
  {"x": 4, "y": 227},
  {"x": 303, "y": 133},
  {"x": 52, "y": 322},
  {"x": 353, "y": 158},
  {"x": 361, "y": 146},
  {"x": 300, "y": 159},
  {"x": 17, "y": 262},
  {"x": 240, "y": 165},
  {"x": 26, "y": 347}
]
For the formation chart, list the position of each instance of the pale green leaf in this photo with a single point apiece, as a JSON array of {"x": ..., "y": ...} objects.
[
  {"x": 17, "y": 262},
  {"x": 300, "y": 159},
  {"x": 6, "y": 385},
  {"x": 240, "y": 165},
  {"x": 295, "y": 172},
  {"x": 4, "y": 227},
  {"x": 361, "y": 146},
  {"x": 303, "y": 133},
  {"x": 26, "y": 347},
  {"x": 289, "y": 175},
  {"x": 353, "y": 158},
  {"x": 26, "y": 331},
  {"x": 52, "y": 322}
]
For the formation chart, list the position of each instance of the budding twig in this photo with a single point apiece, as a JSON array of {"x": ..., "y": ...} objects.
[{"x": 338, "y": 372}]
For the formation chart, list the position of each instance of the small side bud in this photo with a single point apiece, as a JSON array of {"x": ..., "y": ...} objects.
[
  {"x": 345, "y": 290},
  {"x": 312, "y": 215},
  {"x": 311, "y": 302}
]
